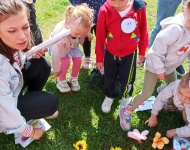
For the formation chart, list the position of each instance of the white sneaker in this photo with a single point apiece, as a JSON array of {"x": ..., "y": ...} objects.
[
  {"x": 124, "y": 102},
  {"x": 74, "y": 84},
  {"x": 63, "y": 86},
  {"x": 106, "y": 105},
  {"x": 87, "y": 63}
]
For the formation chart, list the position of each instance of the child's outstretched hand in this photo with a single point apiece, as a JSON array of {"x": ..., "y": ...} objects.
[
  {"x": 171, "y": 133},
  {"x": 152, "y": 121}
]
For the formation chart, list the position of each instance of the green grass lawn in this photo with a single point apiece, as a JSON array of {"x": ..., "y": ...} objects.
[{"x": 80, "y": 115}]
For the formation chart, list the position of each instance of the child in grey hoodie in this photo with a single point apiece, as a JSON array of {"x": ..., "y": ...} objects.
[
  {"x": 179, "y": 90},
  {"x": 169, "y": 50}
]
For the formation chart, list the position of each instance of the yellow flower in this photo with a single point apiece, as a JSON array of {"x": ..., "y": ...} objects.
[
  {"x": 80, "y": 145},
  {"x": 116, "y": 148},
  {"x": 158, "y": 141}
]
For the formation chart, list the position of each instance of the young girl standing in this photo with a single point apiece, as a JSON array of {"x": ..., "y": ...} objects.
[
  {"x": 122, "y": 31},
  {"x": 87, "y": 42},
  {"x": 169, "y": 50},
  {"x": 79, "y": 20},
  {"x": 18, "y": 104},
  {"x": 179, "y": 90}
]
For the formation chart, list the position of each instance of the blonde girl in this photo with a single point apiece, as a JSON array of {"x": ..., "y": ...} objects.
[{"x": 79, "y": 20}]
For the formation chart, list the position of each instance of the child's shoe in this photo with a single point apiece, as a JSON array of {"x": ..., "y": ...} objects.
[
  {"x": 125, "y": 119},
  {"x": 87, "y": 63},
  {"x": 74, "y": 84},
  {"x": 124, "y": 102},
  {"x": 106, "y": 105},
  {"x": 63, "y": 86}
]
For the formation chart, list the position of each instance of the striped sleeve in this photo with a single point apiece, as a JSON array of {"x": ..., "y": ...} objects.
[{"x": 27, "y": 131}]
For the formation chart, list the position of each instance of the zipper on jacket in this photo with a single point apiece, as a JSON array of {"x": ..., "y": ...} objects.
[{"x": 121, "y": 37}]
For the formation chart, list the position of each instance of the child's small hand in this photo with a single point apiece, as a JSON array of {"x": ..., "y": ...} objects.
[
  {"x": 56, "y": 74},
  {"x": 90, "y": 36},
  {"x": 100, "y": 66},
  {"x": 40, "y": 53},
  {"x": 161, "y": 76},
  {"x": 171, "y": 133},
  {"x": 140, "y": 60},
  {"x": 152, "y": 121}
]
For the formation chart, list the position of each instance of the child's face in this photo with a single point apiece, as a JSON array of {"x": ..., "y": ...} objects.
[
  {"x": 119, "y": 5},
  {"x": 183, "y": 95},
  {"x": 79, "y": 31},
  {"x": 15, "y": 31}
]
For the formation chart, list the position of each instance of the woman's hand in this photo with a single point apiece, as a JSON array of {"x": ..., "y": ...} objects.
[
  {"x": 152, "y": 121},
  {"x": 37, "y": 133},
  {"x": 40, "y": 53}
]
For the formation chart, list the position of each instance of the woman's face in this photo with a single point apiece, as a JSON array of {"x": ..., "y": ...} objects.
[{"x": 15, "y": 31}]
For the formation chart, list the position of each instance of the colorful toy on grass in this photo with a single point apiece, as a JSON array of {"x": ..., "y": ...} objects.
[
  {"x": 158, "y": 141},
  {"x": 135, "y": 134},
  {"x": 80, "y": 145}
]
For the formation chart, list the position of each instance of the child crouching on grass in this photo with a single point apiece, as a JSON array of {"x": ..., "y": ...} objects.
[{"x": 179, "y": 90}]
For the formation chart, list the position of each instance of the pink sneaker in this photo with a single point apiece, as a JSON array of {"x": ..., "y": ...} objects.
[
  {"x": 125, "y": 120},
  {"x": 87, "y": 63}
]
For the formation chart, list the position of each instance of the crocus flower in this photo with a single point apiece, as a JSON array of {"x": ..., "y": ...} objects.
[
  {"x": 116, "y": 148},
  {"x": 158, "y": 141},
  {"x": 80, "y": 145}
]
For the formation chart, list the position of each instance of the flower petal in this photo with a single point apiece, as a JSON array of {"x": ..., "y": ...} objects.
[
  {"x": 154, "y": 145},
  {"x": 158, "y": 134},
  {"x": 160, "y": 145},
  {"x": 155, "y": 139},
  {"x": 165, "y": 140}
]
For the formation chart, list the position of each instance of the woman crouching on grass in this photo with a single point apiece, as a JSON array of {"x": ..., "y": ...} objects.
[{"x": 18, "y": 73}]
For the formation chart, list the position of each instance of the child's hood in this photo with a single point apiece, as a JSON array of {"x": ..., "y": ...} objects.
[{"x": 178, "y": 19}]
